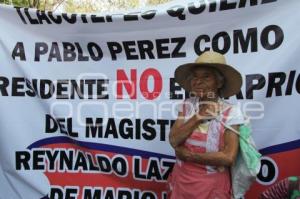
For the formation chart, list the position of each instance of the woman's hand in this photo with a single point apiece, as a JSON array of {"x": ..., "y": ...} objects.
[
  {"x": 208, "y": 111},
  {"x": 182, "y": 129},
  {"x": 183, "y": 154}
]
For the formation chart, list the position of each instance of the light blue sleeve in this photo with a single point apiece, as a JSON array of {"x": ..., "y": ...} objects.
[{"x": 235, "y": 116}]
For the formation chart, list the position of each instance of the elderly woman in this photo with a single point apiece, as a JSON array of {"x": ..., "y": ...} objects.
[{"x": 205, "y": 148}]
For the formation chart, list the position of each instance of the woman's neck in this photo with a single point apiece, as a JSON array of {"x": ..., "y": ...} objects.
[{"x": 209, "y": 99}]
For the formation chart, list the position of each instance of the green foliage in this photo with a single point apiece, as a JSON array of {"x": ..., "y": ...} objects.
[
  {"x": 156, "y": 2},
  {"x": 39, "y": 4},
  {"x": 83, "y": 6},
  {"x": 21, "y": 3}
]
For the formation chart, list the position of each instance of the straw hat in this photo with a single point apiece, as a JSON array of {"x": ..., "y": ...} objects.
[{"x": 233, "y": 79}]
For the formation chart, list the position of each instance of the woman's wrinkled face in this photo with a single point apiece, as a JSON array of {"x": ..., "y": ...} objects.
[{"x": 205, "y": 83}]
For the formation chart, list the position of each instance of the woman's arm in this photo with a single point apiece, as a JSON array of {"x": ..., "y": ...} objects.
[
  {"x": 181, "y": 130},
  {"x": 225, "y": 157}
]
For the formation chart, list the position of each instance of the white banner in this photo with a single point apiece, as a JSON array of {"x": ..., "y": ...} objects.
[{"x": 87, "y": 101}]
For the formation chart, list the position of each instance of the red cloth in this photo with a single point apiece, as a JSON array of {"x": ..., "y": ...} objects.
[{"x": 279, "y": 190}]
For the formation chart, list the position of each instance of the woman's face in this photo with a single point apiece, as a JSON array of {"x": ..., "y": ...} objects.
[{"x": 204, "y": 83}]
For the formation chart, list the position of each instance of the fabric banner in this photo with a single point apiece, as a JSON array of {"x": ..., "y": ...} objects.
[{"x": 87, "y": 101}]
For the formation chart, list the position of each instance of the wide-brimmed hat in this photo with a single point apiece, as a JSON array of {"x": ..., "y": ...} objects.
[{"x": 232, "y": 78}]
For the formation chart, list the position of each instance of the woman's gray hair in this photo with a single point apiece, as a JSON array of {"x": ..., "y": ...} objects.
[{"x": 219, "y": 76}]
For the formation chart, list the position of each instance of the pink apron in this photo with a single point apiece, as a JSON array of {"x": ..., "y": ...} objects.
[{"x": 194, "y": 181}]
